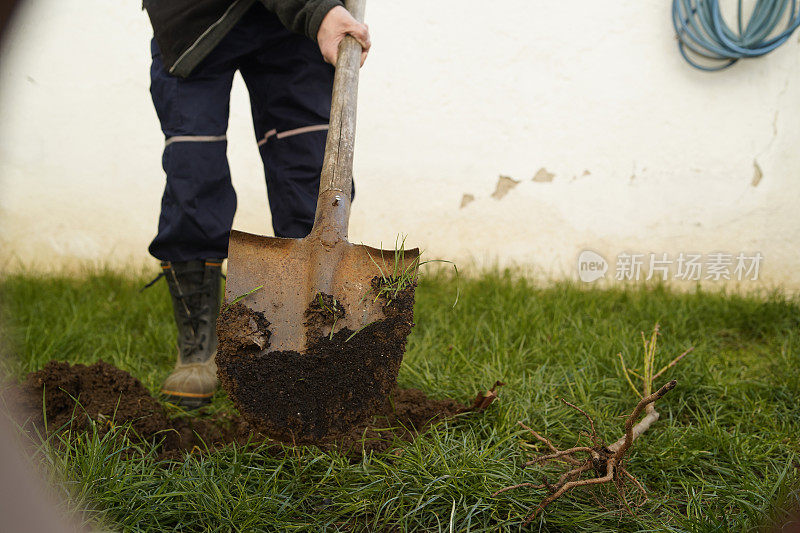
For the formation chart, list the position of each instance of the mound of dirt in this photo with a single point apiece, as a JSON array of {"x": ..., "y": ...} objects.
[
  {"x": 330, "y": 388},
  {"x": 74, "y": 395}
]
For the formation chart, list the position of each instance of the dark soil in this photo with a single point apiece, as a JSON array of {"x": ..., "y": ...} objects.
[
  {"x": 326, "y": 392},
  {"x": 109, "y": 396}
]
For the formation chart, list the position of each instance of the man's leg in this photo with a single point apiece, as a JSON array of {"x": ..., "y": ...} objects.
[
  {"x": 199, "y": 202},
  {"x": 197, "y": 211},
  {"x": 290, "y": 93}
]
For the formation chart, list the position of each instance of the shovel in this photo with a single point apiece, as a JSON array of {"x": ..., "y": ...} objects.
[{"x": 313, "y": 330}]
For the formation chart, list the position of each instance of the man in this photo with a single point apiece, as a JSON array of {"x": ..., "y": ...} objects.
[{"x": 198, "y": 46}]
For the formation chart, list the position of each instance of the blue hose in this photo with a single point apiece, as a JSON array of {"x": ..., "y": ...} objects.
[{"x": 701, "y": 29}]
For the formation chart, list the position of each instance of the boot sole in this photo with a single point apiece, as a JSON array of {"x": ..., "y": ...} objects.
[{"x": 187, "y": 400}]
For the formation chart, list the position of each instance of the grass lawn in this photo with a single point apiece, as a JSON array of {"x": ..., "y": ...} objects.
[{"x": 723, "y": 457}]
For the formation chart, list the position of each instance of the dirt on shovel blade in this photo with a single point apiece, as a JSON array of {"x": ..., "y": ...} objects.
[
  {"x": 80, "y": 397},
  {"x": 327, "y": 391}
]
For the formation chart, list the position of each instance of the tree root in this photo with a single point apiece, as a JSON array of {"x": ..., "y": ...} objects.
[{"x": 605, "y": 462}]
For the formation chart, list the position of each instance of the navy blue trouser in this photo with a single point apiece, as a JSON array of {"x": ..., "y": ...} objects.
[{"x": 290, "y": 94}]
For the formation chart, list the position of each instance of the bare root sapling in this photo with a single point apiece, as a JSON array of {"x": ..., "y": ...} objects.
[{"x": 598, "y": 463}]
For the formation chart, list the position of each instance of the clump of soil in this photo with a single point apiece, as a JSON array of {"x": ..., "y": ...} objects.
[
  {"x": 324, "y": 310},
  {"x": 76, "y": 395},
  {"x": 331, "y": 388},
  {"x": 242, "y": 330},
  {"x": 100, "y": 391}
]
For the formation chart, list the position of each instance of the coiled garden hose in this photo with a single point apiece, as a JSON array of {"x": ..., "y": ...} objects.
[{"x": 701, "y": 29}]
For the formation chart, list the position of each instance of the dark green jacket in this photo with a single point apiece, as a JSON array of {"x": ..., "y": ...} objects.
[{"x": 187, "y": 30}]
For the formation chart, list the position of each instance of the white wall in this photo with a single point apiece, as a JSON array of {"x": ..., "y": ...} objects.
[{"x": 454, "y": 94}]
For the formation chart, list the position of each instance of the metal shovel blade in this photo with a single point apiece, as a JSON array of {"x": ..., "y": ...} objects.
[
  {"x": 315, "y": 346},
  {"x": 314, "y": 330}
]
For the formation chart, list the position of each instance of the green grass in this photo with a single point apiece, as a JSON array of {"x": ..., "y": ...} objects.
[{"x": 723, "y": 457}]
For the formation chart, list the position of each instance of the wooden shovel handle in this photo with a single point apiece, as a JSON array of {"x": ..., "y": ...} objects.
[{"x": 336, "y": 180}]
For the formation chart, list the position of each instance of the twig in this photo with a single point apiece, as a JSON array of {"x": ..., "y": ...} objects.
[
  {"x": 504, "y": 489},
  {"x": 672, "y": 363},
  {"x": 569, "y": 474},
  {"x": 560, "y": 454},
  {"x": 627, "y": 377},
  {"x": 569, "y": 486},
  {"x": 595, "y": 440},
  {"x": 635, "y": 482},
  {"x": 539, "y": 437},
  {"x": 633, "y": 432},
  {"x": 548, "y": 443}
]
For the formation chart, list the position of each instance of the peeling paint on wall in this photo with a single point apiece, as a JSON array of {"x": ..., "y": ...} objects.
[
  {"x": 543, "y": 176},
  {"x": 504, "y": 184},
  {"x": 757, "y": 174}
]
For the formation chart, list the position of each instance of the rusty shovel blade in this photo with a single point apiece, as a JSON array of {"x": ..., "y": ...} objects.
[
  {"x": 315, "y": 344},
  {"x": 314, "y": 330}
]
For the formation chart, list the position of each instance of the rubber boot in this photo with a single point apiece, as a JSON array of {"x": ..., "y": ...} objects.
[{"x": 195, "y": 290}]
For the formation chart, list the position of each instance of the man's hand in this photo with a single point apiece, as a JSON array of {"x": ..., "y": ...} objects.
[{"x": 336, "y": 24}]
